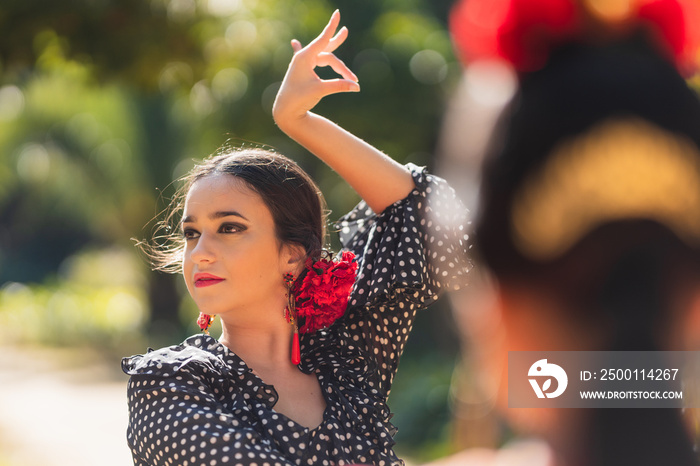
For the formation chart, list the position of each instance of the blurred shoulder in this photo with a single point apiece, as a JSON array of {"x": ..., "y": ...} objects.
[{"x": 519, "y": 452}]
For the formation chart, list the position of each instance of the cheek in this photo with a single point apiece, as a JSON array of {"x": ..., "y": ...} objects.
[{"x": 262, "y": 269}]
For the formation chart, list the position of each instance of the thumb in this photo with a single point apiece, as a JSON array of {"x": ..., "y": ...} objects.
[{"x": 335, "y": 86}]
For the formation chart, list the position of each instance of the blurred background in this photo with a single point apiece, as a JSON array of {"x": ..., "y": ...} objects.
[{"x": 102, "y": 104}]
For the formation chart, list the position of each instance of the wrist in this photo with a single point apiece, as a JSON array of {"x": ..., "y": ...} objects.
[{"x": 291, "y": 123}]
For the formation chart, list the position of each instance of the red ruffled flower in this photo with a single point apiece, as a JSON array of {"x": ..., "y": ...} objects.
[
  {"x": 322, "y": 297},
  {"x": 676, "y": 24},
  {"x": 523, "y": 32},
  {"x": 520, "y": 32}
]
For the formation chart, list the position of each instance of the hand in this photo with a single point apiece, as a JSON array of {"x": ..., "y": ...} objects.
[{"x": 302, "y": 88}]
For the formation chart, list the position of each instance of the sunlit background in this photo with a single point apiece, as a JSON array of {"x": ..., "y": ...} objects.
[{"x": 102, "y": 104}]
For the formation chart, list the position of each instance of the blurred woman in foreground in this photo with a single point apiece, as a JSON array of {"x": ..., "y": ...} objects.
[{"x": 589, "y": 214}]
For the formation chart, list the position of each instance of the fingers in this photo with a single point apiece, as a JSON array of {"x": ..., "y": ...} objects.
[
  {"x": 322, "y": 41},
  {"x": 326, "y": 41},
  {"x": 328, "y": 59},
  {"x": 335, "y": 86},
  {"x": 319, "y": 53},
  {"x": 337, "y": 40}
]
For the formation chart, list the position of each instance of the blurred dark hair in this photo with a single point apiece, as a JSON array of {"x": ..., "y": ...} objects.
[
  {"x": 580, "y": 86},
  {"x": 295, "y": 202}
]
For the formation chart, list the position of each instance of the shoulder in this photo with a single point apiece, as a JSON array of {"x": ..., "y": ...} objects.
[{"x": 197, "y": 354}]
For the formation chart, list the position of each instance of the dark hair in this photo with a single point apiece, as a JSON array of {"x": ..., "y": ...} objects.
[
  {"x": 295, "y": 202},
  {"x": 581, "y": 86}
]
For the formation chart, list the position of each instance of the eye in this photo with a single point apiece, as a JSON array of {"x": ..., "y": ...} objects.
[
  {"x": 190, "y": 233},
  {"x": 231, "y": 228}
]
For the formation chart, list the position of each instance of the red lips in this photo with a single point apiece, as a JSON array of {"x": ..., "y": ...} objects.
[{"x": 206, "y": 279}]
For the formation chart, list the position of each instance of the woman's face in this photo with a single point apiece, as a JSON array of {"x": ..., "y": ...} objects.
[{"x": 233, "y": 262}]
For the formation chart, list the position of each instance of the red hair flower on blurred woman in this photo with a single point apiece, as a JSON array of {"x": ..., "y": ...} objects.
[
  {"x": 524, "y": 32},
  {"x": 517, "y": 31},
  {"x": 676, "y": 24}
]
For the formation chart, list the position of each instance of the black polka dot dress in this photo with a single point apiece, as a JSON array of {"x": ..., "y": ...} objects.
[{"x": 198, "y": 403}]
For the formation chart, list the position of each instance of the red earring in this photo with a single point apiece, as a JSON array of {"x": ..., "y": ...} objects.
[
  {"x": 290, "y": 313},
  {"x": 204, "y": 321}
]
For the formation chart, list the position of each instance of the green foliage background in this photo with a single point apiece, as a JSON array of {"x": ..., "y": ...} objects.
[{"x": 104, "y": 102}]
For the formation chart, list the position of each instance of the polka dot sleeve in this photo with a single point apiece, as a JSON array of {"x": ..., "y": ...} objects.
[
  {"x": 177, "y": 417},
  {"x": 406, "y": 255}
]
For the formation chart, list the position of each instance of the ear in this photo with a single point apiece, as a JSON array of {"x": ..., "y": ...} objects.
[{"x": 293, "y": 258}]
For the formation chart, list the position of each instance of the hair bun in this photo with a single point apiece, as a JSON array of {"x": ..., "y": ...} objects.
[{"x": 523, "y": 32}]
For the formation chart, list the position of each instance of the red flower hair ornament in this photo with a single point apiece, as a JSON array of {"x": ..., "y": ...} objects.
[
  {"x": 523, "y": 32},
  {"x": 322, "y": 296}
]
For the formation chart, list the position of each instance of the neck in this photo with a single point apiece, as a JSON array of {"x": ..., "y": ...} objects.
[{"x": 261, "y": 346}]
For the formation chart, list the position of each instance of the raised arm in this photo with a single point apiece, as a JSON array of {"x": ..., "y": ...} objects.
[{"x": 377, "y": 178}]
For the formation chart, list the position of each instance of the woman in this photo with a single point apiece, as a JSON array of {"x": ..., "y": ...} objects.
[
  {"x": 253, "y": 235},
  {"x": 588, "y": 217}
]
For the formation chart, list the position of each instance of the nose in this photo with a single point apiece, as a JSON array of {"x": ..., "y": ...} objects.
[{"x": 203, "y": 250}]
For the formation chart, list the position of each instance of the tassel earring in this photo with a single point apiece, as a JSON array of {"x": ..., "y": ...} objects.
[
  {"x": 290, "y": 313},
  {"x": 204, "y": 321}
]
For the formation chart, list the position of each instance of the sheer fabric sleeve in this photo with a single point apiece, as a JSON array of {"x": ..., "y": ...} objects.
[
  {"x": 176, "y": 418},
  {"x": 406, "y": 256}
]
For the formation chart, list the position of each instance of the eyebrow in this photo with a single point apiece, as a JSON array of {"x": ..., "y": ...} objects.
[{"x": 216, "y": 215}]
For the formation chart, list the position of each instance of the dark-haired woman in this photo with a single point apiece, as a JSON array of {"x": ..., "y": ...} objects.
[
  {"x": 588, "y": 220},
  {"x": 310, "y": 344}
]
